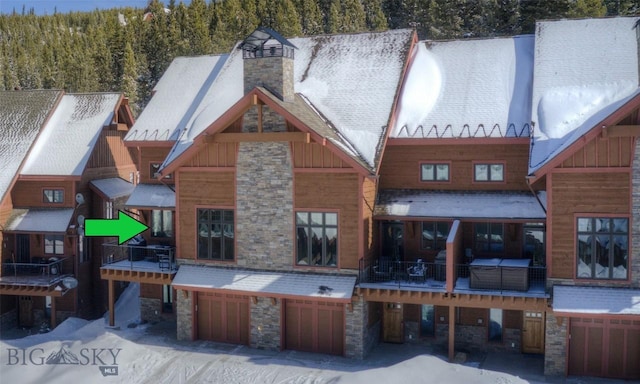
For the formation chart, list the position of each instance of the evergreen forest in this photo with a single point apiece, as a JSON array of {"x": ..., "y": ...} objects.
[{"x": 127, "y": 49}]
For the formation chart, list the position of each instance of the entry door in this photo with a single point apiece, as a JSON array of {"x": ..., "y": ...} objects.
[
  {"x": 23, "y": 251},
  {"x": 393, "y": 241},
  {"x": 533, "y": 332},
  {"x": 25, "y": 305},
  {"x": 393, "y": 331}
]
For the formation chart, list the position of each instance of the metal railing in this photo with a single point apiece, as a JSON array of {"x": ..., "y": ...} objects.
[
  {"x": 403, "y": 273},
  {"x": 530, "y": 279},
  {"x": 45, "y": 267},
  {"x": 137, "y": 257}
]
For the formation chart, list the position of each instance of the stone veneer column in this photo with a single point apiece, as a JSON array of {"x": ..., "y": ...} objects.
[
  {"x": 634, "y": 251},
  {"x": 555, "y": 350},
  {"x": 185, "y": 316},
  {"x": 265, "y": 324},
  {"x": 264, "y": 201},
  {"x": 357, "y": 343}
]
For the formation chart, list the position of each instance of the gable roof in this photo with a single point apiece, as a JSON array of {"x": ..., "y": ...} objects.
[
  {"x": 467, "y": 89},
  {"x": 351, "y": 80},
  {"x": 584, "y": 71},
  {"x": 22, "y": 115},
  {"x": 67, "y": 140}
]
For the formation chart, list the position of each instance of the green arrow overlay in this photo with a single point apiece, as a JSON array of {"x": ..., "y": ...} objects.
[{"x": 124, "y": 227}]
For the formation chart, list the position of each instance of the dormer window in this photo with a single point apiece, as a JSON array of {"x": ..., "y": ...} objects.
[
  {"x": 55, "y": 196},
  {"x": 492, "y": 172}
]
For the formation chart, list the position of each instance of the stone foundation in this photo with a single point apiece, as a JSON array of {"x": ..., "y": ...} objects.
[
  {"x": 555, "y": 355},
  {"x": 265, "y": 324},
  {"x": 151, "y": 310},
  {"x": 358, "y": 339},
  {"x": 184, "y": 300}
]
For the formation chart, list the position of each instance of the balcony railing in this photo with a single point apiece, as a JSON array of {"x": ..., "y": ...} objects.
[
  {"x": 409, "y": 274},
  {"x": 38, "y": 272},
  {"x": 529, "y": 280},
  {"x": 135, "y": 257}
]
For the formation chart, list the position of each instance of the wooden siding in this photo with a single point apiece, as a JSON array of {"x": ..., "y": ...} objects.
[
  {"x": 150, "y": 155},
  {"x": 369, "y": 198},
  {"x": 400, "y": 166},
  {"x": 151, "y": 291},
  {"x": 200, "y": 189},
  {"x": 215, "y": 155},
  {"x": 28, "y": 193},
  {"x": 314, "y": 155},
  {"x": 603, "y": 153},
  {"x": 588, "y": 193},
  {"x": 334, "y": 191},
  {"x": 110, "y": 151}
]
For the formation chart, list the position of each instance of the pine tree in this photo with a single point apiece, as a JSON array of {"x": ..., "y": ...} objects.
[
  {"x": 587, "y": 8},
  {"x": 286, "y": 19},
  {"x": 129, "y": 84},
  {"x": 376, "y": 21},
  {"x": 199, "y": 28},
  {"x": 354, "y": 18},
  {"x": 334, "y": 18},
  {"x": 532, "y": 11},
  {"x": 310, "y": 17}
]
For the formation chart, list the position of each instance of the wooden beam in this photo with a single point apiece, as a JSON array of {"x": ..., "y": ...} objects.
[
  {"x": 620, "y": 130},
  {"x": 452, "y": 332},
  {"x": 300, "y": 137},
  {"x": 54, "y": 323},
  {"x": 112, "y": 315}
]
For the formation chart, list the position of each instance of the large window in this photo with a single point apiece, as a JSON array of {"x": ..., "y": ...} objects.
[
  {"x": 215, "y": 234},
  {"x": 434, "y": 235},
  {"x": 53, "y": 196},
  {"x": 434, "y": 172},
  {"x": 603, "y": 248},
  {"x": 489, "y": 238},
  {"x": 161, "y": 223},
  {"x": 317, "y": 239},
  {"x": 54, "y": 244},
  {"x": 489, "y": 172}
]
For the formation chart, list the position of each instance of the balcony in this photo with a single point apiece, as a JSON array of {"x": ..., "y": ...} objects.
[
  {"x": 40, "y": 272},
  {"x": 413, "y": 276},
  {"x": 147, "y": 258}
]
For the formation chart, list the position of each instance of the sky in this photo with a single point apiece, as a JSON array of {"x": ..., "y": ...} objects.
[{"x": 47, "y": 7}]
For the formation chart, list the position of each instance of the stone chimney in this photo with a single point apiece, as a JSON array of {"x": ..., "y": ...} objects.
[{"x": 268, "y": 63}]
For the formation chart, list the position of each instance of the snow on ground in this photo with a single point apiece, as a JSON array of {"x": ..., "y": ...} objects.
[{"x": 90, "y": 352}]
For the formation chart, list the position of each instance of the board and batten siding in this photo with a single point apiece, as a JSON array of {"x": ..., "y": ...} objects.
[
  {"x": 368, "y": 203},
  {"x": 600, "y": 194},
  {"x": 200, "y": 189},
  {"x": 400, "y": 168},
  {"x": 333, "y": 191},
  {"x": 150, "y": 155}
]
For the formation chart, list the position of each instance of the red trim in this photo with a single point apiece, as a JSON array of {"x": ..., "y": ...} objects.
[
  {"x": 615, "y": 316},
  {"x": 393, "y": 115},
  {"x": 613, "y": 118},
  {"x": 326, "y": 170},
  {"x": 360, "y": 219},
  {"x": 48, "y": 178},
  {"x": 206, "y": 169},
  {"x": 262, "y": 294},
  {"x": 176, "y": 219},
  {"x": 459, "y": 141},
  {"x": 549, "y": 225},
  {"x": 592, "y": 170}
]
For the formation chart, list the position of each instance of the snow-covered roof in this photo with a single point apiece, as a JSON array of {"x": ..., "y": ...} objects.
[
  {"x": 54, "y": 220},
  {"x": 465, "y": 205},
  {"x": 179, "y": 92},
  {"x": 584, "y": 70},
  {"x": 467, "y": 88},
  {"x": 596, "y": 300},
  {"x": 22, "y": 115},
  {"x": 289, "y": 284},
  {"x": 152, "y": 196},
  {"x": 351, "y": 80},
  {"x": 113, "y": 188},
  {"x": 67, "y": 140}
]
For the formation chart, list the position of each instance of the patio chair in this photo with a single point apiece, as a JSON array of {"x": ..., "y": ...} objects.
[{"x": 418, "y": 271}]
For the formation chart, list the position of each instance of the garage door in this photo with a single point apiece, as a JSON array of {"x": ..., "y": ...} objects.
[
  {"x": 605, "y": 348},
  {"x": 223, "y": 317},
  {"x": 313, "y": 326}
]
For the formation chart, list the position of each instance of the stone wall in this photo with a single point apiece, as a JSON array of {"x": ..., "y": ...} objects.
[
  {"x": 264, "y": 214},
  {"x": 555, "y": 355},
  {"x": 184, "y": 301},
  {"x": 358, "y": 339},
  {"x": 271, "y": 121},
  {"x": 265, "y": 324},
  {"x": 151, "y": 310},
  {"x": 273, "y": 73}
]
